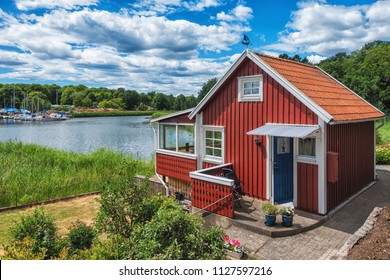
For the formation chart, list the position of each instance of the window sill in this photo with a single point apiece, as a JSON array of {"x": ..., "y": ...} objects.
[
  {"x": 252, "y": 98},
  {"x": 176, "y": 154},
  {"x": 307, "y": 159},
  {"x": 213, "y": 160}
]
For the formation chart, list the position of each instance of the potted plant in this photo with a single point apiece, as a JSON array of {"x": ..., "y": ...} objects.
[
  {"x": 233, "y": 248},
  {"x": 287, "y": 216},
  {"x": 271, "y": 211}
]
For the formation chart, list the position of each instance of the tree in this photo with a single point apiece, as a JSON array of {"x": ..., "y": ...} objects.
[
  {"x": 206, "y": 88},
  {"x": 160, "y": 102},
  {"x": 190, "y": 102},
  {"x": 179, "y": 102}
]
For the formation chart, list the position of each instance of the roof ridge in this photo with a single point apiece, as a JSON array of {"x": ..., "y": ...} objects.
[{"x": 285, "y": 60}]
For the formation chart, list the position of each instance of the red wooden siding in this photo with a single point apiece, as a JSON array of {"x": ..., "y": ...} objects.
[
  {"x": 179, "y": 119},
  {"x": 208, "y": 165},
  {"x": 307, "y": 191},
  {"x": 175, "y": 167},
  {"x": 278, "y": 106},
  {"x": 203, "y": 194},
  {"x": 354, "y": 143}
]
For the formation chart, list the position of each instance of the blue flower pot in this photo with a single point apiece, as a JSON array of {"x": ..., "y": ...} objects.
[
  {"x": 270, "y": 220},
  {"x": 287, "y": 221}
]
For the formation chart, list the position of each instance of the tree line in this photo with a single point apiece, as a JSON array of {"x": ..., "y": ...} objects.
[{"x": 365, "y": 71}]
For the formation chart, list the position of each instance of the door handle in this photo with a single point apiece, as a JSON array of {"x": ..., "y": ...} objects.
[{"x": 275, "y": 166}]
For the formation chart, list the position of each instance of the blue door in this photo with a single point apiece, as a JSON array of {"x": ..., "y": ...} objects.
[{"x": 283, "y": 169}]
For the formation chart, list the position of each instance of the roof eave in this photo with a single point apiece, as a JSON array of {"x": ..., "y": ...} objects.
[
  {"x": 218, "y": 84},
  {"x": 176, "y": 114}
]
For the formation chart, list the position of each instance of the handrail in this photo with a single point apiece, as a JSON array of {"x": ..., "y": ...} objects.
[{"x": 203, "y": 176}]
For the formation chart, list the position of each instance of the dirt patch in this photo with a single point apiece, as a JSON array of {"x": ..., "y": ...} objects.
[{"x": 376, "y": 244}]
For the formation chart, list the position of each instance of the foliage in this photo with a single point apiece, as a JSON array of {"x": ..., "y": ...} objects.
[
  {"x": 174, "y": 234},
  {"x": 269, "y": 209},
  {"x": 23, "y": 250},
  {"x": 158, "y": 114},
  {"x": 111, "y": 114},
  {"x": 383, "y": 155},
  {"x": 206, "y": 88},
  {"x": 366, "y": 72},
  {"x": 31, "y": 173},
  {"x": 42, "y": 231},
  {"x": 119, "y": 207},
  {"x": 384, "y": 133},
  {"x": 80, "y": 236},
  {"x": 287, "y": 211},
  {"x": 296, "y": 58}
]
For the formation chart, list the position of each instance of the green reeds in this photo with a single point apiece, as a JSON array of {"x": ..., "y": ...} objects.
[{"x": 30, "y": 173}]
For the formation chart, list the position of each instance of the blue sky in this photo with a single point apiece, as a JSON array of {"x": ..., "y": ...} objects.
[{"x": 171, "y": 46}]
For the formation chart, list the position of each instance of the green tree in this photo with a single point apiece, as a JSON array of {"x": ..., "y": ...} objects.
[
  {"x": 206, "y": 87},
  {"x": 160, "y": 102},
  {"x": 179, "y": 103}
]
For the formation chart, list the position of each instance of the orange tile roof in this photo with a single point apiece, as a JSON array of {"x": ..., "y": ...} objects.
[{"x": 337, "y": 100}]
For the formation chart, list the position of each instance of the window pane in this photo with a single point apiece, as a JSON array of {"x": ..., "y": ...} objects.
[
  {"x": 255, "y": 91},
  {"x": 217, "y": 153},
  {"x": 168, "y": 137},
  {"x": 217, "y": 134},
  {"x": 247, "y": 84},
  {"x": 209, "y": 143},
  {"x": 217, "y": 144},
  {"x": 209, "y": 151},
  {"x": 247, "y": 91},
  {"x": 209, "y": 134},
  {"x": 255, "y": 85},
  {"x": 307, "y": 147},
  {"x": 186, "y": 138}
]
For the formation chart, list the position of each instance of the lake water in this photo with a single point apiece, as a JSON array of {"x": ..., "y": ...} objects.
[{"x": 132, "y": 135}]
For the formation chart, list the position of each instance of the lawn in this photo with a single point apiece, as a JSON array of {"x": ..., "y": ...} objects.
[
  {"x": 384, "y": 132},
  {"x": 65, "y": 213}
]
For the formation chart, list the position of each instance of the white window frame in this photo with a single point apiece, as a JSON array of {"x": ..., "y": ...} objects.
[
  {"x": 214, "y": 159},
  {"x": 250, "y": 97},
  {"x": 176, "y": 152}
]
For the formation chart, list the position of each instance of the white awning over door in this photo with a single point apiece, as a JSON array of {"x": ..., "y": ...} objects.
[{"x": 287, "y": 130}]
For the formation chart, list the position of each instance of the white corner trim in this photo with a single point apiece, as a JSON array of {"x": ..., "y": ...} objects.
[
  {"x": 321, "y": 151},
  {"x": 212, "y": 179},
  {"x": 322, "y": 114}
]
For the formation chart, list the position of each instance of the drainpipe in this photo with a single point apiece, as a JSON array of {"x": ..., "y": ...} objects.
[
  {"x": 382, "y": 124},
  {"x": 155, "y": 165}
]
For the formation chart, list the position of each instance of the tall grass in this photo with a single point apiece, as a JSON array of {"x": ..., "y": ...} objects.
[{"x": 31, "y": 173}]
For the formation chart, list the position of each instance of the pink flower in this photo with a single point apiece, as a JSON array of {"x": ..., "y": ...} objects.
[
  {"x": 235, "y": 242},
  {"x": 226, "y": 238}
]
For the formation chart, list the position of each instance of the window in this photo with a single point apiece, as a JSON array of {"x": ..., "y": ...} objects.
[
  {"x": 307, "y": 147},
  {"x": 250, "y": 88},
  {"x": 213, "y": 143},
  {"x": 178, "y": 138}
]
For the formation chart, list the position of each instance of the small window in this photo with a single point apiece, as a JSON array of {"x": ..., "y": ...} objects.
[
  {"x": 177, "y": 138},
  {"x": 307, "y": 147},
  {"x": 250, "y": 88},
  {"x": 213, "y": 143}
]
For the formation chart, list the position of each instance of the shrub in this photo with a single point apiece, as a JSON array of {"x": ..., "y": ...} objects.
[
  {"x": 80, "y": 236},
  {"x": 40, "y": 228},
  {"x": 173, "y": 234},
  {"x": 23, "y": 250},
  {"x": 269, "y": 209},
  {"x": 383, "y": 155}
]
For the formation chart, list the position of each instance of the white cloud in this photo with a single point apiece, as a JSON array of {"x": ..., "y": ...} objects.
[
  {"x": 159, "y": 7},
  {"x": 200, "y": 5},
  {"x": 239, "y": 13},
  {"x": 315, "y": 58},
  {"x": 317, "y": 27},
  {"x": 114, "y": 49},
  {"x": 25, "y": 5}
]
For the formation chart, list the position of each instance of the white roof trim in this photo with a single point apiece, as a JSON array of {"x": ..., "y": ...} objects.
[
  {"x": 286, "y": 130},
  {"x": 187, "y": 111},
  {"x": 218, "y": 84},
  {"x": 322, "y": 114}
]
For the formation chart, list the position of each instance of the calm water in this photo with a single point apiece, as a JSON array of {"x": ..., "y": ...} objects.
[{"x": 126, "y": 134}]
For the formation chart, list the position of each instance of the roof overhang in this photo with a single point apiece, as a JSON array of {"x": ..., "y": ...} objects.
[
  {"x": 287, "y": 130},
  {"x": 176, "y": 114}
]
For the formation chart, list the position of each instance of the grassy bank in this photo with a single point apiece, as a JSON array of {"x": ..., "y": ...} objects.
[
  {"x": 111, "y": 114},
  {"x": 30, "y": 173}
]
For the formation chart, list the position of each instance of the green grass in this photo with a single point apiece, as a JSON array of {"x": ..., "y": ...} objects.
[
  {"x": 112, "y": 114},
  {"x": 384, "y": 133},
  {"x": 161, "y": 113},
  {"x": 31, "y": 173}
]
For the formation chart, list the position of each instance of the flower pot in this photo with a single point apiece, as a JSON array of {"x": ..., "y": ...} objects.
[
  {"x": 287, "y": 221},
  {"x": 233, "y": 254},
  {"x": 270, "y": 220}
]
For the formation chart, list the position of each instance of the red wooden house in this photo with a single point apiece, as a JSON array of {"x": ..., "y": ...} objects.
[{"x": 291, "y": 133}]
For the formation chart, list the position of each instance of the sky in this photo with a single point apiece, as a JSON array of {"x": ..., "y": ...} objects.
[{"x": 172, "y": 46}]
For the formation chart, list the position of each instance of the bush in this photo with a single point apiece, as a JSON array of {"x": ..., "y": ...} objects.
[
  {"x": 80, "y": 236},
  {"x": 173, "y": 234},
  {"x": 269, "y": 209},
  {"x": 23, "y": 250},
  {"x": 383, "y": 155},
  {"x": 40, "y": 228}
]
